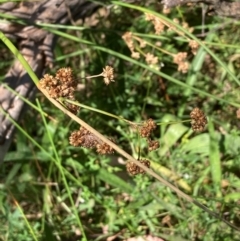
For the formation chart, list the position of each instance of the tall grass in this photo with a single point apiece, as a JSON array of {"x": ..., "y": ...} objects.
[{"x": 51, "y": 190}]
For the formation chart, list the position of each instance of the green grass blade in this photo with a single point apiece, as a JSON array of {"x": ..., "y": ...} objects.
[
  {"x": 214, "y": 159},
  {"x": 114, "y": 180}
]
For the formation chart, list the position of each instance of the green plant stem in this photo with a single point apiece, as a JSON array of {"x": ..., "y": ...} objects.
[
  {"x": 25, "y": 100},
  {"x": 172, "y": 122},
  {"x": 63, "y": 175},
  {"x": 62, "y": 100},
  {"x": 99, "y": 111},
  {"x": 25, "y": 219},
  {"x": 15, "y": 51}
]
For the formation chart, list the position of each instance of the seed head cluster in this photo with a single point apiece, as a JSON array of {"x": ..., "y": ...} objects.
[
  {"x": 152, "y": 145},
  {"x": 108, "y": 75},
  {"x": 158, "y": 23},
  {"x": 133, "y": 169},
  {"x": 180, "y": 60},
  {"x": 194, "y": 46},
  {"x": 130, "y": 40},
  {"x": 62, "y": 84},
  {"x": 151, "y": 59},
  {"x": 145, "y": 131},
  {"x": 85, "y": 138},
  {"x": 198, "y": 120},
  {"x": 147, "y": 128}
]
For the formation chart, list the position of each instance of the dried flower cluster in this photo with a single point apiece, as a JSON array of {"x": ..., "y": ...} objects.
[
  {"x": 166, "y": 10},
  {"x": 158, "y": 23},
  {"x": 194, "y": 46},
  {"x": 108, "y": 75},
  {"x": 152, "y": 145},
  {"x": 186, "y": 26},
  {"x": 147, "y": 128},
  {"x": 198, "y": 120},
  {"x": 180, "y": 60},
  {"x": 62, "y": 84},
  {"x": 85, "y": 138},
  {"x": 145, "y": 131},
  {"x": 151, "y": 59},
  {"x": 134, "y": 169},
  {"x": 129, "y": 38}
]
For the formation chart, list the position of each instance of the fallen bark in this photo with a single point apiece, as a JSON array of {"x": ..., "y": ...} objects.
[{"x": 36, "y": 45}]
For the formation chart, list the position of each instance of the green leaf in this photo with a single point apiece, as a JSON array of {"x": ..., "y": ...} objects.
[
  {"x": 114, "y": 180},
  {"x": 197, "y": 145},
  {"x": 170, "y": 175},
  {"x": 214, "y": 158},
  {"x": 172, "y": 135},
  {"x": 196, "y": 65},
  {"x": 232, "y": 197}
]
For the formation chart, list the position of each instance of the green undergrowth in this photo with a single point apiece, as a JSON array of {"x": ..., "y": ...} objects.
[{"x": 50, "y": 190}]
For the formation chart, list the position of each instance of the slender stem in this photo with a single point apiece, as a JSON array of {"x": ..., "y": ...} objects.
[
  {"x": 24, "y": 218},
  {"x": 63, "y": 176},
  {"x": 93, "y": 76},
  {"x": 15, "y": 51},
  {"x": 172, "y": 122},
  {"x": 99, "y": 111}
]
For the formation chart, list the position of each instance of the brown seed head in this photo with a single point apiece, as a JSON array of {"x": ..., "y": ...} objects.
[
  {"x": 180, "y": 60},
  {"x": 147, "y": 128},
  {"x": 198, "y": 120},
  {"x": 108, "y": 74},
  {"x": 179, "y": 57},
  {"x": 166, "y": 10},
  {"x": 65, "y": 75},
  {"x": 73, "y": 108},
  {"x": 194, "y": 46},
  {"x": 157, "y": 22},
  {"x": 135, "y": 55},
  {"x": 152, "y": 145},
  {"x": 83, "y": 138},
  {"x": 128, "y": 38},
  {"x": 134, "y": 169},
  {"x": 151, "y": 59},
  {"x": 62, "y": 85},
  {"x": 48, "y": 81},
  {"x": 183, "y": 67},
  {"x": 104, "y": 149}
]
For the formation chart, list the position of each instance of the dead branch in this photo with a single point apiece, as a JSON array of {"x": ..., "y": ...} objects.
[{"x": 36, "y": 45}]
